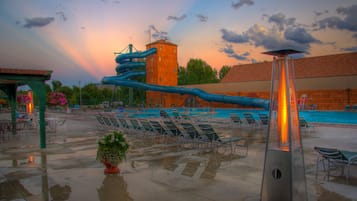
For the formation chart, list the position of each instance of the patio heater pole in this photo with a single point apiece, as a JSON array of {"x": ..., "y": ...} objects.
[{"x": 284, "y": 170}]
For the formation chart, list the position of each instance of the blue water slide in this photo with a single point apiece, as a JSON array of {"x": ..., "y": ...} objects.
[{"x": 126, "y": 64}]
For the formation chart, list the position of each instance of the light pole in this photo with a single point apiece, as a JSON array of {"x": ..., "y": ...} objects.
[{"x": 80, "y": 94}]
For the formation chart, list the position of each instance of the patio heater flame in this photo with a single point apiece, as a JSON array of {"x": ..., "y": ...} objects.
[
  {"x": 29, "y": 106},
  {"x": 283, "y": 112},
  {"x": 284, "y": 170},
  {"x": 31, "y": 159}
]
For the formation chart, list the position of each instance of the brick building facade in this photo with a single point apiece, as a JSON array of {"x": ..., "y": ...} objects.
[
  {"x": 322, "y": 82},
  {"x": 161, "y": 69}
]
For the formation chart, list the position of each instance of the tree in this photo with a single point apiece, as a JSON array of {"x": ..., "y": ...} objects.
[
  {"x": 67, "y": 91},
  {"x": 74, "y": 99},
  {"x": 56, "y": 85},
  {"x": 181, "y": 75},
  {"x": 48, "y": 88},
  {"x": 223, "y": 72},
  {"x": 90, "y": 93},
  {"x": 197, "y": 72}
]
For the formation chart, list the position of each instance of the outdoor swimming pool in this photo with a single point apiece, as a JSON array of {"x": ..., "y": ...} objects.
[{"x": 315, "y": 116}]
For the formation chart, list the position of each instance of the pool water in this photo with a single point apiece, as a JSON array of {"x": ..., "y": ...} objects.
[{"x": 315, "y": 116}]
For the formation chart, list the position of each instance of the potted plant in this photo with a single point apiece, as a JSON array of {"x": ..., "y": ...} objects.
[{"x": 112, "y": 149}]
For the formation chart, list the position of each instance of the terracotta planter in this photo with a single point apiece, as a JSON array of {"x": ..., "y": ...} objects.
[{"x": 110, "y": 169}]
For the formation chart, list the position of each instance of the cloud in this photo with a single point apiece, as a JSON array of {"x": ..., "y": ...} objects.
[
  {"x": 38, "y": 21},
  {"x": 346, "y": 21},
  {"x": 228, "y": 50},
  {"x": 202, "y": 18},
  {"x": 175, "y": 18},
  {"x": 281, "y": 21},
  {"x": 282, "y": 32},
  {"x": 157, "y": 35},
  {"x": 232, "y": 37},
  {"x": 319, "y": 13},
  {"x": 241, "y": 3},
  {"x": 152, "y": 27},
  {"x": 350, "y": 49},
  {"x": 300, "y": 35},
  {"x": 271, "y": 38},
  {"x": 61, "y": 14},
  {"x": 117, "y": 2}
]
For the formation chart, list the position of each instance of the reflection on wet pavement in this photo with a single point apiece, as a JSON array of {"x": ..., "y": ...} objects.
[
  {"x": 112, "y": 188},
  {"x": 153, "y": 170},
  {"x": 60, "y": 193}
]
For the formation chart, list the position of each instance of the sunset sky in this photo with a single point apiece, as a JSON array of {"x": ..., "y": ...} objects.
[{"x": 77, "y": 39}]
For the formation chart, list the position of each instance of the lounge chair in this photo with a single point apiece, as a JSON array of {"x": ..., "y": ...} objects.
[
  {"x": 191, "y": 134},
  {"x": 176, "y": 114},
  {"x": 218, "y": 141},
  {"x": 334, "y": 158},
  {"x": 164, "y": 114},
  {"x": 250, "y": 119},
  {"x": 235, "y": 119},
  {"x": 264, "y": 119},
  {"x": 124, "y": 123},
  {"x": 185, "y": 116},
  {"x": 133, "y": 126},
  {"x": 161, "y": 130},
  {"x": 114, "y": 122},
  {"x": 158, "y": 127},
  {"x": 5, "y": 125},
  {"x": 305, "y": 125},
  {"x": 107, "y": 122},
  {"x": 100, "y": 121},
  {"x": 146, "y": 125},
  {"x": 136, "y": 125},
  {"x": 171, "y": 126}
]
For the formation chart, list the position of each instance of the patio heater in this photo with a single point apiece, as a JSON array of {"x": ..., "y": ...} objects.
[
  {"x": 284, "y": 170},
  {"x": 29, "y": 105}
]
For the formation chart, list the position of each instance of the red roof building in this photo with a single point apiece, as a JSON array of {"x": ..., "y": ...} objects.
[
  {"x": 324, "y": 82},
  {"x": 309, "y": 67}
]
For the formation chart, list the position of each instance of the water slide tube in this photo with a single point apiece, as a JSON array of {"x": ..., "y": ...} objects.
[{"x": 125, "y": 71}]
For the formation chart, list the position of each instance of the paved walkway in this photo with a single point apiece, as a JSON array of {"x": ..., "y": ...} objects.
[{"x": 67, "y": 169}]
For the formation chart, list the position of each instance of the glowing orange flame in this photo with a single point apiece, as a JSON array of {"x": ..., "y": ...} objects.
[
  {"x": 283, "y": 111},
  {"x": 29, "y": 106},
  {"x": 31, "y": 159}
]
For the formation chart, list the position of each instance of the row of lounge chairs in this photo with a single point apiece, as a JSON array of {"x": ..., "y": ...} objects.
[
  {"x": 249, "y": 120},
  {"x": 263, "y": 121},
  {"x": 201, "y": 135}
]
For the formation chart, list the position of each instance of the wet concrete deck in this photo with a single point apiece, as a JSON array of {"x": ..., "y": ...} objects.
[{"x": 67, "y": 169}]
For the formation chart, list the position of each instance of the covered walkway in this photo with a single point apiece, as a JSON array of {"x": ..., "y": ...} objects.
[{"x": 11, "y": 79}]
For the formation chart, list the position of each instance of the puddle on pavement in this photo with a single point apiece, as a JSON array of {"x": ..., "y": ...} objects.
[
  {"x": 325, "y": 195},
  {"x": 71, "y": 166}
]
